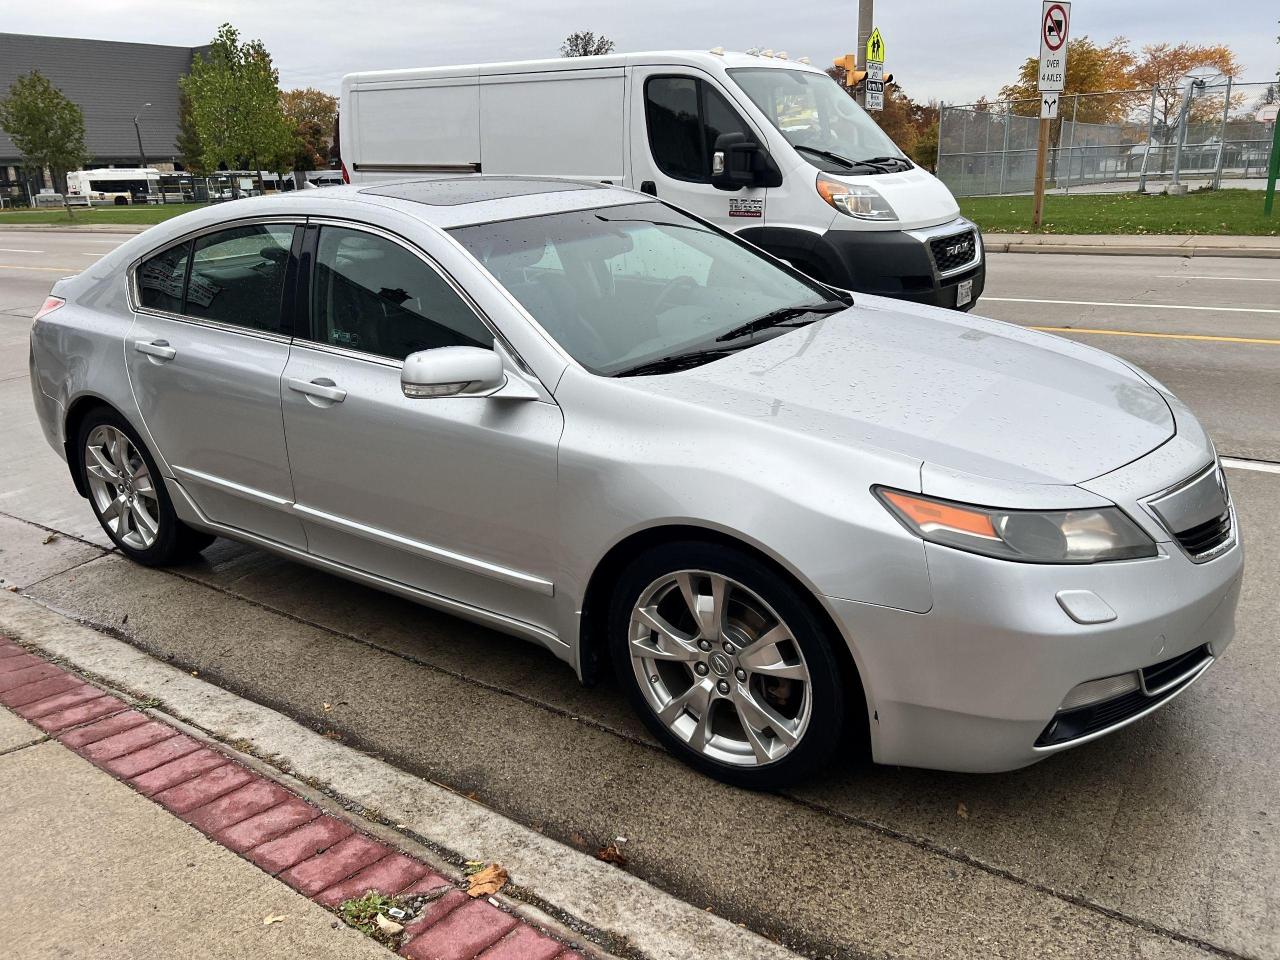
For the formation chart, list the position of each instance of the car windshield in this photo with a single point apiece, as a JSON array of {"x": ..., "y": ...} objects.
[
  {"x": 819, "y": 119},
  {"x": 622, "y": 287}
]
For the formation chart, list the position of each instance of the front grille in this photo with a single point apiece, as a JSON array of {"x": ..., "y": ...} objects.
[
  {"x": 1206, "y": 536},
  {"x": 954, "y": 252},
  {"x": 1170, "y": 674}
]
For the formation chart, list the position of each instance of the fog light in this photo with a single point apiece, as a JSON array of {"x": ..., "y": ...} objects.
[{"x": 1096, "y": 691}]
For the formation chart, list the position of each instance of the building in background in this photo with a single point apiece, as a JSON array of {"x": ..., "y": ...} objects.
[{"x": 111, "y": 82}]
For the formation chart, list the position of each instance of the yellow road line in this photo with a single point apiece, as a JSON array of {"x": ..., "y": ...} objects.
[
  {"x": 14, "y": 266},
  {"x": 1158, "y": 336}
]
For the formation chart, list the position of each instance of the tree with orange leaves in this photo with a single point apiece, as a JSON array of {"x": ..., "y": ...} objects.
[{"x": 1163, "y": 66}]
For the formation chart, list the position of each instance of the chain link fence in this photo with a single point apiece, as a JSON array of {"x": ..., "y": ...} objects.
[{"x": 1113, "y": 141}]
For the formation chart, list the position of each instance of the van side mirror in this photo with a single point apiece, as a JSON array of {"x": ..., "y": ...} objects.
[
  {"x": 452, "y": 372},
  {"x": 738, "y": 162}
]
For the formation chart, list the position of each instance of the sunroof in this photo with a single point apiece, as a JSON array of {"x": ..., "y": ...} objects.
[{"x": 453, "y": 191}]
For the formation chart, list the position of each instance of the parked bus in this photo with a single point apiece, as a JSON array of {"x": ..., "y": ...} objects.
[{"x": 115, "y": 185}]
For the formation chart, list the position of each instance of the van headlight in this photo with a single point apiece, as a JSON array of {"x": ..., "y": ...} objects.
[
  {"x": 855, "y": 200},
  {"x": 1092, "y": 535}
]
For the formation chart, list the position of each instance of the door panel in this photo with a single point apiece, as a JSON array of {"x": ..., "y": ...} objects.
[
  {"x": 455, "y": 496},
  {"x": 213, "y": 411},
  {"x": 675, "y": 119}
]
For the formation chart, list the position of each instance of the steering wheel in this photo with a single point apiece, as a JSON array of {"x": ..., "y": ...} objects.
[{"x": 684, "y": 281}]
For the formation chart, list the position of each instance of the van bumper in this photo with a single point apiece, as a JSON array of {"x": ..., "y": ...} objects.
[{"x": 906, "y": 264}]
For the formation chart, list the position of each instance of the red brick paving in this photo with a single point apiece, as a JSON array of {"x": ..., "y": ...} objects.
[
  {"x": 75, "y": 739},
  {"x": 267, "y": 825},
  {"x": 391, "y": 874},
  {"x": 321, "y": 856},
  {"x": 81, "y": 713},
  {"x": 300, "y": 844},
  {"x": 337, "y": 863},
  {"x": 462, "y": 934}
]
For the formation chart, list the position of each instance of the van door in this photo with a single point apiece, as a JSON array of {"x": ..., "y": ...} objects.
[{"x": 676, "y": 118}]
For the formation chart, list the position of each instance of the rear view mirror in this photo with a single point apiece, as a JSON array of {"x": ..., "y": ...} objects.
[
  {"x": 452, "y": 372},
  {"x": 738, "y": 162}
]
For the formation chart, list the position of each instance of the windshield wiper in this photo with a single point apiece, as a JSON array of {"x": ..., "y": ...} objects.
[
  {"x": 675, "y": 362},
  {"x": 834, "y": 157},
  {"x": 898, "y": 162},
  {"x": 776, "y": 318}
]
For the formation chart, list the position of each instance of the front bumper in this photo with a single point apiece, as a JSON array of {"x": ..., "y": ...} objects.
[{"x": 974, "y": 684}]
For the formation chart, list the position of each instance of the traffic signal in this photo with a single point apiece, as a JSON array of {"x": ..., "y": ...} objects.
[{"x": 852, "y": 75}]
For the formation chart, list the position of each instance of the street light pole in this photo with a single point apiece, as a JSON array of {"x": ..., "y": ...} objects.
[
  {"x": 866, "y": 23},
  {"x": 138, "y": 130}
]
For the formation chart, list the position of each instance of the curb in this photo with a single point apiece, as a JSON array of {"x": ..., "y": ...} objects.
[
  {"x": 323, "y": 857},
  {"x": 1122, "y": 249},
  {"x": 125, "y": 228}
]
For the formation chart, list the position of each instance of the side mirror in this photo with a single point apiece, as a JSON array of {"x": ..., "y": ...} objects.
[
  {"x": 452, "y": 372},
  {"x": 738, "y": 162}
]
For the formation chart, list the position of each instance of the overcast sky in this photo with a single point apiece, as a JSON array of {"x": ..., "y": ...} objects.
[{"x": 954, "y": 50}]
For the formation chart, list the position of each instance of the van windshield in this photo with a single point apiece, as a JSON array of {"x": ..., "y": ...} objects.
[
  {"x": 641, "y": 288},
  {"x": 821, "y": 120}
]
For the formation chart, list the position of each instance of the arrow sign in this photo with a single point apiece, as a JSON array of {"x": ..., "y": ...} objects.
[
  {"x": 1055, "y": 24},
  {"x": 1048, "y": 106}
]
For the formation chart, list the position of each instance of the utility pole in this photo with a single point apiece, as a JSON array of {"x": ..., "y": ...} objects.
[
  {"x": 866, "y": 23},
  {"x": 1055, "y": 18},
  {"x": 138, "y": 130}
]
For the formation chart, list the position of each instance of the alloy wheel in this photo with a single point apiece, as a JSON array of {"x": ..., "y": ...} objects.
[
  {"x": 122, "y": 487},
  {"x": 719, "y": 668}
]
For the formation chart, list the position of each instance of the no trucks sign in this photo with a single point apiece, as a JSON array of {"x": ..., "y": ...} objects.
[{"x": 1055, "y": 20}]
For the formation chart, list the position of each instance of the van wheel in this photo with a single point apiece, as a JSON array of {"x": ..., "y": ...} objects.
[
  {"x": 727, "y": 665},
  {"x": 121, "y": 202},
  {"x": 128, "y": 495}
]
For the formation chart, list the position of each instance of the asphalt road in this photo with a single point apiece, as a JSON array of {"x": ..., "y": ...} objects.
[{"x": 1160, "y": 841}]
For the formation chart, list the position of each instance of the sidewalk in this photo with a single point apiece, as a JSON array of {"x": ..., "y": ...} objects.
[
  {"x": 133, "y": 879},
  {"x": 1135, "y": 245}
]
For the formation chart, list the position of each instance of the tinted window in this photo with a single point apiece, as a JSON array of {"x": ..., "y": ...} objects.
[
  {"x": 160, "y": 279},
  {"x": 685, "y": 116},
  {"x": 619, "y": 286},
  {"x": 373, "y": 295},
  {"x": 237, "y": 276}
]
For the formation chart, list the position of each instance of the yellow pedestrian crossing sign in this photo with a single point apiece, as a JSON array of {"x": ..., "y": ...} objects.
[{"x": 875, "y": 46}]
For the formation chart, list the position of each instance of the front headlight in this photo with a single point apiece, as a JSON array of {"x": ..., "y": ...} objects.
[
  {"x": 1031, "y": 536},
  {"x": 855, "y": 200}
]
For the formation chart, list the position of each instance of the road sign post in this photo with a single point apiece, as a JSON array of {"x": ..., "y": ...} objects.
[
  {"x": 875, "y": 71},
  {"x": 1055, "y": 20}
]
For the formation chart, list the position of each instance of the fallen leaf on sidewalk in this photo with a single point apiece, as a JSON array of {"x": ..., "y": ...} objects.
[
  {"x": 962, "y": 812},
  {"x": 389, "y": 927},
  {"x": 327, "y": 707},
  {"x": 50, "y": 538},
  {"x": 487, "y": 881},
  {"x": 610, "y": 853},
  {"x": 274, "y": 918}
]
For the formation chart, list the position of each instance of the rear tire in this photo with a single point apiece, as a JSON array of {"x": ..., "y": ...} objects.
[
  {"x": 128, "y": 494},
  {"x": 727, "y": 664}
]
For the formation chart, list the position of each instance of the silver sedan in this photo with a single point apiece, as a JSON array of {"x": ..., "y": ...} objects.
[{"x": 794, "y": 523}]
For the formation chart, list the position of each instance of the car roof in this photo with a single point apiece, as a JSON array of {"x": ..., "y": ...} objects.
[{"x": 446, "y": 202}]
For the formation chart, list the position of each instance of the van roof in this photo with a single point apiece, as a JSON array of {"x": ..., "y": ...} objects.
[
  {"x": 453, "y": 191},
  {"x": 703, "y": 59}
]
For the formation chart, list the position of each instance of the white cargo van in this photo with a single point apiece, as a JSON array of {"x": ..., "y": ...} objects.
[{"x": 773, "y": 150}]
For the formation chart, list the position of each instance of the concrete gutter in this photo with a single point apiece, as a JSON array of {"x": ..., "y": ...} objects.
[
  {"x": 653, "y": 924},
  {"x": 1134, "y": 245}
]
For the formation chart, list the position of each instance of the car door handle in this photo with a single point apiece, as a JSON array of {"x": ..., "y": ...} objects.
[
  {"x": 321, "y": 387},
  {"x": 159, "y": 349}
]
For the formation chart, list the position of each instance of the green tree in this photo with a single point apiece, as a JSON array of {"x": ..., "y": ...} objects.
[
  {"x": 584, "y": 43},
  {"x": 46, "y": 127},
  {"x": 190, "y": 147},
  {"x": 235, "y": 105}
]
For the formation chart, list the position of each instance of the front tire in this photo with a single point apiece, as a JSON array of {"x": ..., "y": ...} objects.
[
  {"x": 727, "y": 664},
  {"x": 128, "y": 495}
]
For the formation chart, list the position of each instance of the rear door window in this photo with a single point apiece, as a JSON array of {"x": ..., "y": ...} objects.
[
  {"x": 160, "y": 279},
  {"x": 237, "y": 276}
]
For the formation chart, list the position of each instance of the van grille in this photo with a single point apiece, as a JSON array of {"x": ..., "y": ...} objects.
[{"x": 954, "y": 252}]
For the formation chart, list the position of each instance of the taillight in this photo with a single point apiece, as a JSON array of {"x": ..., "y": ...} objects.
[
  {"x": 346, "y": 177},
  {"x": 50, "y": 304}
]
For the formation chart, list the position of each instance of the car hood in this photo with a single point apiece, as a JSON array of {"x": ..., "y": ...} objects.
[{"x": 975, "y": 396}]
